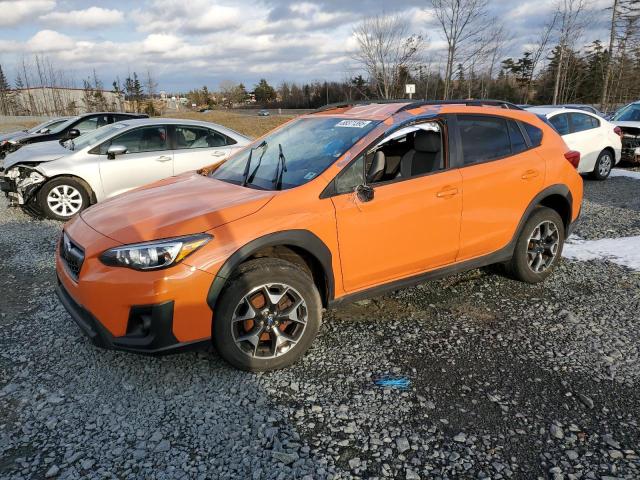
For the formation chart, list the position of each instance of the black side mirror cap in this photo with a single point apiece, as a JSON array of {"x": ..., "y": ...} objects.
[{"x": 365, "y": 193}]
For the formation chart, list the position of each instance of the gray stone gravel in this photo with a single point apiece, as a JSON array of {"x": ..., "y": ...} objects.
[{"x": 507, "y": 381}]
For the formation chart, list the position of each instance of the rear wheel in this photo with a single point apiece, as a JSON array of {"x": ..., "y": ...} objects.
[
  {"x": 603, "y": 166},
  {"x": 539, "y": 246},
  {"x": 62, "y": 198},
  {"x": 267, "y": 316}
]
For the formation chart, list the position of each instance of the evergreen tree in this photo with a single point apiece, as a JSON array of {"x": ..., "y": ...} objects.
[{"x": 264, "y": 92}]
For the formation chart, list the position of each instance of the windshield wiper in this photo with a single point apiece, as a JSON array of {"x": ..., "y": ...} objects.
[
  {"x": 255, "y": 170},
  {"x": 280, "y": 169},
  {"x": 245, "y": 174}
]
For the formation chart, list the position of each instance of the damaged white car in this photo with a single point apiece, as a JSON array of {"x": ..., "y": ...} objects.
[{"x": 59, "y": 179}]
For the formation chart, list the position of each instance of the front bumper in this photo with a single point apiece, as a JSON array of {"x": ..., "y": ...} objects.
[
  {"x": 144, "y": 312},
  {"x": 158, "y": 339},
  {"x": 23, "y": 189}
]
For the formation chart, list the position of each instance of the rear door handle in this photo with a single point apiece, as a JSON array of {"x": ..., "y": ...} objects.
[
  {"x": 529, "y": 174},
  {"x": 447, "y": 192},
  {"x": 163, "y": 158}
]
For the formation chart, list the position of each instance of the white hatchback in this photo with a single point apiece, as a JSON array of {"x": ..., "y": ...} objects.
[{"x": 598, "y": 141}]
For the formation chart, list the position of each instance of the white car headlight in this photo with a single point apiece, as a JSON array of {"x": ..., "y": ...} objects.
[{"x": 155, "y": 254}]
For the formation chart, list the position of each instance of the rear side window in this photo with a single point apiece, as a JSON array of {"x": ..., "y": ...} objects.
[
  {"x": 534, "y": 134},
  {"x": 560, "y": 123},
  {"x": 484, "y": 138},
  {"x": 581, "y": 122},
  {"x": 188, "y": 136},
  {"x": 517, "y": 140}
]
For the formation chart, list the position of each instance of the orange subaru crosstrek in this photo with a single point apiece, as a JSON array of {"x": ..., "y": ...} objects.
[{"x": 336, "y": 205}]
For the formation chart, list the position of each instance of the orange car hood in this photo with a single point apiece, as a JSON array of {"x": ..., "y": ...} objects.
[{"x": 181, "y": 205}]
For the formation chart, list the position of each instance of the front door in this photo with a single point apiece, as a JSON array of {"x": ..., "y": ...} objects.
[
  {"x": 412, "y": 223},
  {"x": 146, "y": 160}
]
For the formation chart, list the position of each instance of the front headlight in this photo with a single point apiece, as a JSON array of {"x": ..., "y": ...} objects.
[{"x": 155, "y": 254}]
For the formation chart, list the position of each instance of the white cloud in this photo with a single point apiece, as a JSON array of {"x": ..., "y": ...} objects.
[
  {"x": 49, "y": 41},
  {"x": 91, "y": 17},
  {"x": 14, "y": 12},
  {"x": 195, "y": 16}
]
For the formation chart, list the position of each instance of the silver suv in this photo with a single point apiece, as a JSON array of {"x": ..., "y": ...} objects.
[{"x": 58, "y": 179}]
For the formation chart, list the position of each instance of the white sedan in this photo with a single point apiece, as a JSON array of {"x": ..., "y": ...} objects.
[
  {"x": 60, "y": 179},
  {"x": 598, "y": 141}
]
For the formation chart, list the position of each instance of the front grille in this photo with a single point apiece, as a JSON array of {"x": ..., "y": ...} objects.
[{"x": 72, "y": 255}]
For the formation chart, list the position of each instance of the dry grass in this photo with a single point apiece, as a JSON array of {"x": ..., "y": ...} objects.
[
  {"x": 250, "y": 125},
  {"x": 14, "y": 125}
]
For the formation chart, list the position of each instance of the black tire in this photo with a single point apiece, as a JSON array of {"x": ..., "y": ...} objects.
[
  {"x": 77, "y": 201},
  {"x": 226, "y": 332},
  {"x": 603, "y": 166},
  {"x": 519, "y": 266}
]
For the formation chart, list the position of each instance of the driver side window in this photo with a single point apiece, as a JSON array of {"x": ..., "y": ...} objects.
[
  {"x": 406, "y": 153},
  {"x": 145, "y": 139}
]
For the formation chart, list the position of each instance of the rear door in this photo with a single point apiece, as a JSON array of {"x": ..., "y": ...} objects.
[
  {"x": 501, "y": 175},
  {"x": 197, "y": 147},
  {"x": 148, "y": 159}
]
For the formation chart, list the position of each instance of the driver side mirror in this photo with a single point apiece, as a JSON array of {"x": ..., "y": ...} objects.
[
  {"x": 73, "y": 133},
  {"x": 365, "y": 193},
  {"x": 115, "y": 150}
]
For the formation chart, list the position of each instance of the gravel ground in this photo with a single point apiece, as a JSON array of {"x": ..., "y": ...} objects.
[{"x": 507, "y": 380}]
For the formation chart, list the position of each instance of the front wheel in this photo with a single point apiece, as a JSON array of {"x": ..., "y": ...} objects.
[
  {"x": 62, "y": 198},
  {"x": 603, "y": 166},
  {"x": 267, "y": 316},
  {"x": 539, "y": 246}
]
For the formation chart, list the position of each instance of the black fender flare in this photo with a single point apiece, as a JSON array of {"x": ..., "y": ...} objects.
[
  {"x": 556, "y": 189},
  {"x": 303, "y": 239}
]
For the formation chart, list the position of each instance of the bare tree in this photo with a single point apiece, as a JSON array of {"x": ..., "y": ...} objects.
[
  {"x": 570, "y": 16},
  {"x": 463, "y": 23},
  {"x": 495, "y": 49},
  {"x": 539, "y": 51},
  {"x": 387, "y": 51}
]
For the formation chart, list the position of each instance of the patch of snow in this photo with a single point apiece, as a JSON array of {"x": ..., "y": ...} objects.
[
  {"x": 623, "y": 251},
  {"x": 620, "y": 172}
]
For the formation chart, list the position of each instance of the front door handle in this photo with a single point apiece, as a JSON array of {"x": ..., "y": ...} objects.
[
  {"x": 163, "y": 158},
  {"x": 529, "y": 174},
  {"x": 447, "y": 192},
  {"x": 218, "y": 153}
]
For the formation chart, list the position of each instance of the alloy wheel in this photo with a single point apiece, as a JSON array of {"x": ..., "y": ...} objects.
[
  {"x": 269, "y": 320},
  {"x": 542, "y": 247},
  {"x": 604, "y": 166},
  {"x": 64, "y": 200}
]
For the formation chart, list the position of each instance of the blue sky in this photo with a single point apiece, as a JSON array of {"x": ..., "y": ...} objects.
[{"x": 190, "y": 43}]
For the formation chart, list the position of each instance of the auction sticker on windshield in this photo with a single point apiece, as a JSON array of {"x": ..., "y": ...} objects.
[{"x": 353, "y": 123}]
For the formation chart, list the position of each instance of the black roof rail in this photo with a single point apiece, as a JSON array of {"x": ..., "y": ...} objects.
[
  {"x": 421, "y": 103},
  {"x": 467, "y": 102}
]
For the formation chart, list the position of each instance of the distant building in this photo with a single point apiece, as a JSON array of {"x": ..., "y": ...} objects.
[{"x": 60, "y": 101}]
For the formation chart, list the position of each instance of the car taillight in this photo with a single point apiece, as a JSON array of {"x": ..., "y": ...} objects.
[
  {"x": 573, "y": 157},
  {"x": 618, "y": 131}
]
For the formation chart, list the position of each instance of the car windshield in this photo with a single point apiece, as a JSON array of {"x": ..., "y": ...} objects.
[
  {"x": 60, "y": 127},
  {"x": 630, "y": 113},
  {"x": 293, "y": 154},
  {"x": 48, "y": 124},
  {"x": 94, "y": 136}
]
